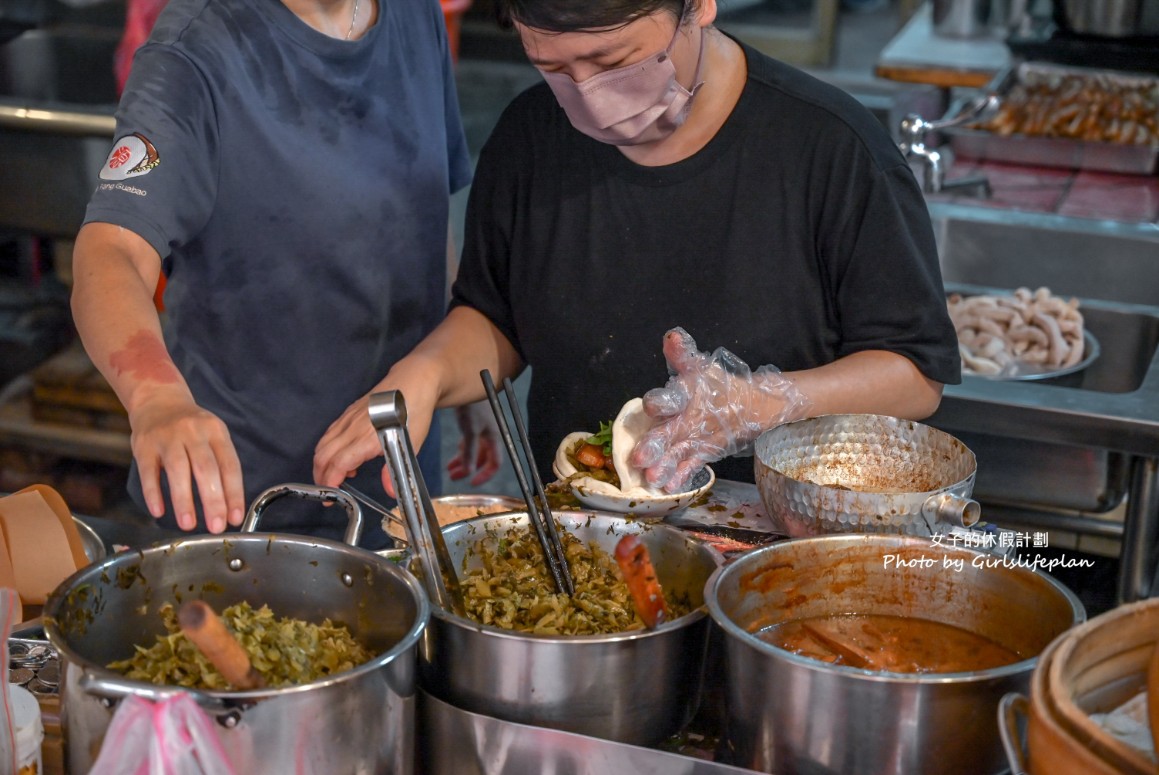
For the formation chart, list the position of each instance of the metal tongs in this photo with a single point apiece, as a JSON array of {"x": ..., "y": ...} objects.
[
  {"x": 527, "y": 474},
  {"x": 425, "y": 536}
]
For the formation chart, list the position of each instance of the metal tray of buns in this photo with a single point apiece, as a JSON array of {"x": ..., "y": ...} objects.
[{"x": 1070, "y": 117}]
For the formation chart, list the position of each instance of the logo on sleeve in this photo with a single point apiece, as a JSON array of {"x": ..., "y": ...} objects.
[{"x": 132, "y": 155}]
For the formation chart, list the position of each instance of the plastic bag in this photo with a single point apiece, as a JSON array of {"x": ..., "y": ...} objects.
[{"x": 173, "y": 736}]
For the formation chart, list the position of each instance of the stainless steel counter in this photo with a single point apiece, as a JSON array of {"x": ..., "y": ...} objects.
[{"x": 1114, "y": 407}]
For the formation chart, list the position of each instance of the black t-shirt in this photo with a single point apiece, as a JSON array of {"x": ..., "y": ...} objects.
[{"x": 796, "y": 236}]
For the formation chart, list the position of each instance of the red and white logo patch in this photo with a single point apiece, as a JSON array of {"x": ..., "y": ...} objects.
[{"x": 132, "y": 155}]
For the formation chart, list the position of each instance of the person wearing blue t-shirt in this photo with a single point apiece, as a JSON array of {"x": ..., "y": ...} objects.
[{"x": 288, "y": 165}]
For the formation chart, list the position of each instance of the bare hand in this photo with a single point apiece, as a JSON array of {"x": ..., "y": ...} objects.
[
  {"x": 351, "y": 440},
  {"x": 173, "y": 434},
  {"x": 479, "y": 446}
]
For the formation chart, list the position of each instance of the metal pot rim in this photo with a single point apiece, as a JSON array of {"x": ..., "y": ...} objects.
[
  {"x": 578, "y": 516},
  {"x": 766, "y": 438},
  {"x": 463, "y": 622},
  {"x": 404, "y": 644},
  {"x": 730, "y": 627}
]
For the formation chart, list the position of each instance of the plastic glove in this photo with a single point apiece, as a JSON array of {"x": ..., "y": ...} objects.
[
  {"x": 479, "y": 445},
  {"x": 713, "y": 406}
]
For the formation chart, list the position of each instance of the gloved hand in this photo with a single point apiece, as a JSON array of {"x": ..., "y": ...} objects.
[
  {"x": 713, "y": 406},
  {"x": 479, "y": 446}
]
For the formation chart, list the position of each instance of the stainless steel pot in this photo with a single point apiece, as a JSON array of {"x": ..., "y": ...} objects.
[
  {"x": 359, "y": 721},
  {"x": 1110, "y": 18},
  {"x": 789, "y": 713},
  {"x": 864, "y": 473},
  {"x": 637, "y": 687}
]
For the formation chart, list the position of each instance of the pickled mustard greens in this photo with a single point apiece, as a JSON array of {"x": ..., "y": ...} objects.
[
  {"x": 285, "y": 651},
  {"x": 513, "y": 589}
]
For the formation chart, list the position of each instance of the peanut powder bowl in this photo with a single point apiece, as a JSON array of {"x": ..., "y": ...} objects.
[{"x": 864, "y": 473}]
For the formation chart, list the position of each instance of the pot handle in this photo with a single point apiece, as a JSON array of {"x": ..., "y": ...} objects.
[
  {"x": 312, "y": 492},
  {"x": 954, "y": 509},
  {"x": 111, "y": 690},
  {"x": 1010, "y": 707}
]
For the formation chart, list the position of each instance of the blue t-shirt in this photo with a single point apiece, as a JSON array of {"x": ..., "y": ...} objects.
[{"x": 297, "y": 189}]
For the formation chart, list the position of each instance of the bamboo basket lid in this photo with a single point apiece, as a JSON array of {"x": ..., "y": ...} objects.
[{"x": 1097, "y": 667}]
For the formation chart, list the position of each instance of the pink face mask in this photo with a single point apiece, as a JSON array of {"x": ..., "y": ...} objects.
[{"x": 632, "y": 105}]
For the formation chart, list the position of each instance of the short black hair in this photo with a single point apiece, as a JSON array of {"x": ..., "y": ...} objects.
[{"x": 573, "y": 15}]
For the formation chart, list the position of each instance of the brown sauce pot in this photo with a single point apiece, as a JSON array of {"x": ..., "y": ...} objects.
[{"x": 790, "y": 713}]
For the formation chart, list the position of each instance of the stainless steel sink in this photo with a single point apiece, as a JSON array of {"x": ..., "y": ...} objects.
[
  {"x": 1052, "y": 452},
  {"x": 1090, "y": 259},
  {"x": 57, "y": 98}
]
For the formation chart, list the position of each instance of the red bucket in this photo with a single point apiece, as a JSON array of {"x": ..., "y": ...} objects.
[{"x": 453, "y": 11}]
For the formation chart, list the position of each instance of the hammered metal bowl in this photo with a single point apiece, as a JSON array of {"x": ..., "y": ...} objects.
[{"x": 863, "y": 473}]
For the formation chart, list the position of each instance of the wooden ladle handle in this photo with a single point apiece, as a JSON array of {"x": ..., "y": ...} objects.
[{"x": 207, "y": 632}]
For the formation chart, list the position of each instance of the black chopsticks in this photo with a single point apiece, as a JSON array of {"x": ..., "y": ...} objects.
[{"x": 527, "y": 474}]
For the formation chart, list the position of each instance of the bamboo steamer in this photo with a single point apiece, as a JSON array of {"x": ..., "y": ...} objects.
[
  {"x": 1092, "y": 668},
  {"x": 1052, "y": 750}
]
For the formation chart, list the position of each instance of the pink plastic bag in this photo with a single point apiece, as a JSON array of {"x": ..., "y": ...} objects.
[
  {"x": 173, "y": 736},
  {"x": 140, "y": 15}
]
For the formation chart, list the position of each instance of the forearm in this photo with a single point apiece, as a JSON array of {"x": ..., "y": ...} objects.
[
  {"x": 869, "y": 382},
  {"x": 452, "y": 356},
  {"x": 112, "y": 306}
]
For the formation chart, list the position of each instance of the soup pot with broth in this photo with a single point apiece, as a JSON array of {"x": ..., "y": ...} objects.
[{"x": 791, "y": 712}]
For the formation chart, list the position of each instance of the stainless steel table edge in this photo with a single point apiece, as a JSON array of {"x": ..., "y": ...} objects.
[{"x": 453, "y": 741}]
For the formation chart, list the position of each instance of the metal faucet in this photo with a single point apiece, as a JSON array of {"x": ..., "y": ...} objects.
[{"x": 914, "y": 130}]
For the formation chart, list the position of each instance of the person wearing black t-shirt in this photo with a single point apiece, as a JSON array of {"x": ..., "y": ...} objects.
[{"x": 666, "y": 175}]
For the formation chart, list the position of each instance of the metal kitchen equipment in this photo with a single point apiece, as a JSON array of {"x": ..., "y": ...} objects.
[
  {"x": 57, "y": 99},
  {"x": 635, "y": 687},
  {"x": 915, "y": 131},
  {"x": 1109, "y": 18},
  {"x": 978, "y": 143},
  {"x": 388, "y": 416},
  {"x": 863, "y": 473},
  {"x": 790, "y": 713},
  {"x": 1058, "y": 457},
  {"x": 961, "y": 18},
  {"x": 465, "y": 743},
  {"x": 359, "y": 721},
  {"x": 389, "y": 517},
  {"x": 526, "y": 472}
]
